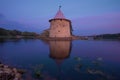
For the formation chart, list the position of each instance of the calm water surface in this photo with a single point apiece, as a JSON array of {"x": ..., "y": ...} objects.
[{"x": 63, "y": 60}]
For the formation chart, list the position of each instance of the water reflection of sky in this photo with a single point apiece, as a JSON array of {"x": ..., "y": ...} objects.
[
  {"x": 64, "y": 60},
  {"x": 109, "y": 50}
]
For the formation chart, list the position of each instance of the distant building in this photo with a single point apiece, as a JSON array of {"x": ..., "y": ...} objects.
[{"x": 60, "y": 26}]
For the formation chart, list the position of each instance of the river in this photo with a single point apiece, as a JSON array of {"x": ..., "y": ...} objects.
[{"x": 63, "y": 60}]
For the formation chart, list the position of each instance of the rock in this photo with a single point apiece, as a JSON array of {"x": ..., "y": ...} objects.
[
  {"x": 5, "y": 76},
  {"x": 7, "y": 70},
  {"x": 77, "y": 58},
  {"x": 98, "y": 72},
  {"x": 5, "y": 66},
  {"x": 21, "y": 71},
  {"x": 15, "y": 79},
  {"x": 99, "y": 59},
  {"x": 38, "y": 74},
  {"x": 1, "y": 71},
  {"x": 1, "y": 65},
  {"x": 18, "y": 75},
  {"x": 15, "y": 70},
  {"x": 9, "y": 73}
]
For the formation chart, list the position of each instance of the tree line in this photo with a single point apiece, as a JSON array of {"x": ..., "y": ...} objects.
[
  {"x": 5, "y": 32},
  {"x": 107, "y": 36}
]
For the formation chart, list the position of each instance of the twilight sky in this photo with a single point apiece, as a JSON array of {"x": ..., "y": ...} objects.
[{"x": 89, "y": 17}]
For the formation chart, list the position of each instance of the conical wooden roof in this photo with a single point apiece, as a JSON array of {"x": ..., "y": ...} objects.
[{"x": 59, "y": 14}]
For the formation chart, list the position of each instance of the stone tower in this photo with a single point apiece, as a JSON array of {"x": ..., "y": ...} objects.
[{"x": 60, "y": 26}]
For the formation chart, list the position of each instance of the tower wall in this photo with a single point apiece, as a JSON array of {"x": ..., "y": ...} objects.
[{"x": 60, "y": 28}]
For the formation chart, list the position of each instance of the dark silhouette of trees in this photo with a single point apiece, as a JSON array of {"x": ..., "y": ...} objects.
[
  {"x": 108, "y": 36},
  {"x": 5, "y": 32}
]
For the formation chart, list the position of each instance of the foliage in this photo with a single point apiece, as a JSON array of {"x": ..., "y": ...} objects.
[
  {"x": 5, "y": 32},
  {"x": 108, "y": 36},
  {"x": 45, "y": 33}
]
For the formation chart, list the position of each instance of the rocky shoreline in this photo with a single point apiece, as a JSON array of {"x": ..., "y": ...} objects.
[{"x": 10, "y": 73}]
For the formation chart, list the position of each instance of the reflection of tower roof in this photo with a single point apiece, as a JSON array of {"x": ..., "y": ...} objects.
[
  {"x": 59, "y": 56},
  {"x": 59, "y": 61},
  {"x": 59, "y": 14}
]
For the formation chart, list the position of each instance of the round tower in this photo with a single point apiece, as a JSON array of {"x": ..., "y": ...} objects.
[{"x": 60, "y": 26}]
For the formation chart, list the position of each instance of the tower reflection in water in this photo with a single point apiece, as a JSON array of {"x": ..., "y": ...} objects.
[{"x": 59, "y": 51}]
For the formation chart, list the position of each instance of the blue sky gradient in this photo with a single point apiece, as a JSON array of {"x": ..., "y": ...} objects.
[{"x": 89, "y": 17}]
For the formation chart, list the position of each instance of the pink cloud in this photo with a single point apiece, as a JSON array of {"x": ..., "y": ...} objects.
[{"x": 101, "y": 21}]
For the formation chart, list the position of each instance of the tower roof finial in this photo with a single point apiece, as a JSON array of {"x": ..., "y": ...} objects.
[
  {"x": 59, "y": 14},
  {"x": 60, "y": 7}
]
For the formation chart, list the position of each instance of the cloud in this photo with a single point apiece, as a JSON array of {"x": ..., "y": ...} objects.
[
  {"x": 102, "y": 20},
  {"x": 2, "y": 16},
  {"x": 107, "y": 23},
  {"x": 9, "y": 24}
]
